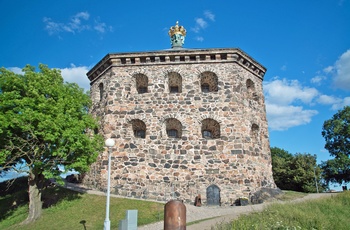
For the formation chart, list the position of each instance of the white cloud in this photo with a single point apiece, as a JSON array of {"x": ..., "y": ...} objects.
[
  {"x": 280, "y": 96},
  {"x": 284, "y": 92},
  {"x": 79, "y": 22},
  {"x": 328, "y": 69},
  {"x": 284, "y": 117},
  {"x": 72, "y": 74},
  {"x": 317, "y": 79},
  {"x": 337, "y": 103},
  {"x": 201, "y": 23},
  {"x": 52, "y": 27},
  {"x": 75, "y": 74},
  {"x": 328, "y": 100},
  {"x": 199, "y": 38},
  {"x": 16, "y": 70},
  {"x": 342, "y": 71},
  {"x": 100, "y": 27},
  {"x": 76, "y": 22},
  {"x": 208, "y": 14},
  {"x": 284, "y": 68}
]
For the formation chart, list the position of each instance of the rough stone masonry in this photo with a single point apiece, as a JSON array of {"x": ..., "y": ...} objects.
[{"x": 185, "y": 122}]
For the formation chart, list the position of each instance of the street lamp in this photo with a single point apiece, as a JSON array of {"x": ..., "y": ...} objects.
[
  {"x": 315, "y": 179},
  {"x": 109, "y": 144}
]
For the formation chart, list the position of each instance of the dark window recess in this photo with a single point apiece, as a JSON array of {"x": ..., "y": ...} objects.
[
  {"x": 172, "y": 133},
  {"x": 101, "y": 91},
  {"x": 140, "y": 133},
  {"x": 174, "y": 89},
  {"x": 142, "y": 90},
  {"x": 205, "y": 88},
  {"x": 207, "y": 134}
]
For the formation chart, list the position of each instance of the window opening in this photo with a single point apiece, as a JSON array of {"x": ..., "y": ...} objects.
[
  {"x": 207, "y": 134},
  {"x": 205, "y": 88},
  {"x": 142, "y": 90},
  {"x": 174, "y": 89},
  {"x": 140, "y": 133},
  {"x": 172, "y": 133},
  {"x": 101, "y": 91}
]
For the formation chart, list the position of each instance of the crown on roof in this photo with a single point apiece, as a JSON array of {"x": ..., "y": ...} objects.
[{"x": 177, "y": 30}]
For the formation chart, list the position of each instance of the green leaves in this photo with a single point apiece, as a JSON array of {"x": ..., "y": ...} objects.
[
  {"x": 294, "y": 172},
  {"x": 336, "y": 132},
  {"x": 45, "y": 121}
]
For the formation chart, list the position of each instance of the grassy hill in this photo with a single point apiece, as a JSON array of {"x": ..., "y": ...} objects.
[{"x": 66, "y": 209}]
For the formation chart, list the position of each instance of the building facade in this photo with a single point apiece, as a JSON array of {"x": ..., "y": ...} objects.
[{"x": 185, "y": 122}]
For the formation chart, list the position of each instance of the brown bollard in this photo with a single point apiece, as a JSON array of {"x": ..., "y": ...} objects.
[{"x": 175, "y": 215}]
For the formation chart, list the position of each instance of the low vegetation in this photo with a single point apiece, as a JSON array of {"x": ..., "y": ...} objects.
[
  {"x": 66, "y": 209},
  {"x": 324, "y": 213}
]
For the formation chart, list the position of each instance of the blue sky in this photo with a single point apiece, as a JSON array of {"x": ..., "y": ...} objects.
[{"x": 305, "y": 46}]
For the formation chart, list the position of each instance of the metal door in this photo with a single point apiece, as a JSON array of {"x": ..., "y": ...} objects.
[{"x": 213, "y": 195}]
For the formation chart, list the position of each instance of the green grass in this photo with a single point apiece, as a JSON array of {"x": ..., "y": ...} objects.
[
  {"x": 66, "y": 209},
  {"x": 325, "y": 213},
  {"x": 290, "y": 195}
]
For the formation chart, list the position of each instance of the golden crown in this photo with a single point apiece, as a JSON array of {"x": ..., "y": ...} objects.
[{"x": 177, "y": 30}]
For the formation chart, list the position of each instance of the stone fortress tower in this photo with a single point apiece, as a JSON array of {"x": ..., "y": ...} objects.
[{"x": 185, "y": 122}]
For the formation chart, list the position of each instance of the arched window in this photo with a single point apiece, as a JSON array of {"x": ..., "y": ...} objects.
[
  {"x": 205, "y": 88},
  {"x": 100, "y": 87},
  {"x": 138, "y": 128},
  {"x": 207, "y": 134},
  {"x": 140, "y": 133},
  {"x": 173, "y": 128},
  {"x": 210, "y": 129},
  {"x": 251, "y": 90},
  {"x": 175, "y": 82},
  {"x": 172, "y": 133},
  {"x": 141, "y": 83},
  {"x": 250, "y": 85},
  {"x": 254, "y": 132},
  {"x": 209, "y": 82}
]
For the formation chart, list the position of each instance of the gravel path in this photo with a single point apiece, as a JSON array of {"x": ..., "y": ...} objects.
[
  {"x": 219, "y": 215},
  {"x": 211, "y": 215}
]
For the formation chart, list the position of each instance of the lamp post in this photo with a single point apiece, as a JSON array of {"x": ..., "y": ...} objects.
[
  {"x": 109, "y": 144},
  {"x": 315, "y": 179}
]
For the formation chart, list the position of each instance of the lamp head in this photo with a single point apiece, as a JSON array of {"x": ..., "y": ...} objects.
[{"x": 109, "y": 142}]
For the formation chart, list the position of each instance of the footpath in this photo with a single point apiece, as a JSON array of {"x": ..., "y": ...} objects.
[{"x": 207, "y": 217}]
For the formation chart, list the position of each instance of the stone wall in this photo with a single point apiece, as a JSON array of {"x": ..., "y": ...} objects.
[{"x": 237, "y": 156}]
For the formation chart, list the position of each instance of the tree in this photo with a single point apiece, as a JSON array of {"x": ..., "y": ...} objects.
[
  {"x": 280, "y": 167},
  {"x": 295, "y": 172},
  {"x": 336, "y": 132},
  {"x": 44, "y": 124}
]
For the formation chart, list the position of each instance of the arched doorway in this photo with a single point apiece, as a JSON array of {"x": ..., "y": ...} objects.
[{"x": 213, "y": 195}]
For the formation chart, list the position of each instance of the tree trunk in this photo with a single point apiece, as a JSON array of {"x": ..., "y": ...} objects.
[{"x": 34, "y": 192}]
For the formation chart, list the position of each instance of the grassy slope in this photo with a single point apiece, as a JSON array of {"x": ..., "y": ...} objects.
[
  {"x": 325, "y": 213},
  {"x": 72, "y": 210}
]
